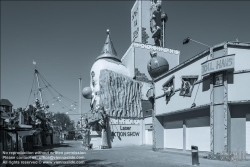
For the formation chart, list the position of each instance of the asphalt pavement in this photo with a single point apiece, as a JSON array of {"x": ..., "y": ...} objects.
[{"x": 134, "y": 156}]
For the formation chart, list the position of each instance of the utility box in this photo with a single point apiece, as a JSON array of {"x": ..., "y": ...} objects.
[{"x": 195, "y": 156}]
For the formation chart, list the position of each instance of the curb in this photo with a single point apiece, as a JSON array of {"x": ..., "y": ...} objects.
[{"x": 201, "y": 154}]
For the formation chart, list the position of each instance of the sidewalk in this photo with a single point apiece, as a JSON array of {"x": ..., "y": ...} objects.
[{"x": 202, "y": 154}]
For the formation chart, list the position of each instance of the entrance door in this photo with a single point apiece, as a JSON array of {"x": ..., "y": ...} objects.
[
  {"x": 173, "y": 134},
  {"x": 149, "y": 137},
  {"x": 198, "y": 133}
]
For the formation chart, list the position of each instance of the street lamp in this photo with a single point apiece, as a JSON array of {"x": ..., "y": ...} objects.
[
  {"x": 185, "y": 41},
  {"x": 164, "y": 19}
]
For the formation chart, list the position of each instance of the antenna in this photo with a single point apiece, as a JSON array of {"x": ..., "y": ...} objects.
[
  {"x": 39, "y": 88},
  {"x": 34, "y": 63}
]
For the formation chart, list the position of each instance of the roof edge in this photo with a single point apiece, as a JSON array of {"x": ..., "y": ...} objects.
[{"x": 200, "y": 55}]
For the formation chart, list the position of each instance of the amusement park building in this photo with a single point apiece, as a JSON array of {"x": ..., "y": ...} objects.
[
  {"x": 128, "y": 126},
  {"x": 205, "y": 101}
]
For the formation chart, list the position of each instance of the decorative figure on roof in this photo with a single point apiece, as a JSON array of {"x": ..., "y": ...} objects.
[
  {"x": 168, "y": 89},
  {"x": 187, "y": 85},
  {"x": 155, "y": 22}
]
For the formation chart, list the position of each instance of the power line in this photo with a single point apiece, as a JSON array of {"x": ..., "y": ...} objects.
[{"x": 55, "y": 89}]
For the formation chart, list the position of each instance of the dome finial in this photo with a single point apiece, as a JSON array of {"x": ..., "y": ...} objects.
[
  {"x": 108, "y": 50},
  {"x": 153, "y": 53}
]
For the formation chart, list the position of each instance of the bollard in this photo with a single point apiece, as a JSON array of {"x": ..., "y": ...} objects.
[{"x": 195, "y": 156}]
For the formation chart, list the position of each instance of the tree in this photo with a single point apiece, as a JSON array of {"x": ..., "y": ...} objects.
[{"x": 64, "y": 121}]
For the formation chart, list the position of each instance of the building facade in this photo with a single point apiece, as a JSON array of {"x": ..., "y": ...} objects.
[
  {"x": 205, "y": 102},
  {"x": 130, "y": 114}
]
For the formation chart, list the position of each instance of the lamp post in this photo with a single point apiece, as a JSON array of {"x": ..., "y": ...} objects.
[
  {"x": 80, "y": 99},
  {"x": 185, "y": 41},
  {"x": 164, "y": 19}
]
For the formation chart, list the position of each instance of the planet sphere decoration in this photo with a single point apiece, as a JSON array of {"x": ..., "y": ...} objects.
[
  {"x": 87, "y": 93},
  {"x": 157, "y": 65}
]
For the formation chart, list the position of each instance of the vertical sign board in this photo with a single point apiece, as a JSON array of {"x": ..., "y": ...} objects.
[
  {"x": 145, "y": 23},
  {"x": 218, "y": 64},
  {"x": 136, "y": 22}
]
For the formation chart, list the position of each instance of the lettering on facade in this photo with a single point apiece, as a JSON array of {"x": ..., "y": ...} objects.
[
  {"x": 134, "y": 14},
  {"x": 135, "y": 33},
  {"x": 134, "y": 20},
  {"x": 126, "y": 134},
  {"x": 125, "y": 128},
  {"x": 125, "y": 131},
  {"x": 135, "y": 23},
  {"x": 219, "y": 64},
  {"x": 156, "y": 48}
]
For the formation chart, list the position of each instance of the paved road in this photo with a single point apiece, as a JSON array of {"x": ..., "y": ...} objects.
[{"x": 138, "y": 156}]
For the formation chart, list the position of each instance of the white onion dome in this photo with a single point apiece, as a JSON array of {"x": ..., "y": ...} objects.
[{"x": 108, "y": 60}]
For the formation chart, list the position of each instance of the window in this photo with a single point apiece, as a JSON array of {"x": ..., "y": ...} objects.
[
  {"x": 188, "y": 85},
  {"x": 168, "y": 88},
  {"x": 218, "y": 79}
]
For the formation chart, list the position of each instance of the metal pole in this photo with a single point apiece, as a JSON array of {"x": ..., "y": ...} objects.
[
  {"x": 199, "y": 43},
  {"x": 17, "y": 141},
  {"x": 40, "y": 90},
  {"x": 80, "y": 99},
  {"x": 163, "y": 34}
]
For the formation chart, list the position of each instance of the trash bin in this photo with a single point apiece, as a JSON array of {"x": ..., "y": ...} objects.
[{"x": 195, "y": 156}]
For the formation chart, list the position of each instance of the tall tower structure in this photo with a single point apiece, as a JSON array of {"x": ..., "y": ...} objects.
[
  {"x": 147, "y": 34},
  {"x": 147, "y": 22},
  {"x": 147, "y": 57}
]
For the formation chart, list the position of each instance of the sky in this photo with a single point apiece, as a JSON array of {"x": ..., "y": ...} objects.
[{"x": 65, "y": 37}]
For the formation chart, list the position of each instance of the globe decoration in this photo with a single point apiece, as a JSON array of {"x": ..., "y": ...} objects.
[
  {"x": 157, "y": 65},
  {"x": 87, "y": 92}
]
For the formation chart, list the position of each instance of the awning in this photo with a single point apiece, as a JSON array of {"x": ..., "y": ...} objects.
[
  {"x": 4, "y": 115},
  {"x": 93, "y": 121},
  {"x": 26, "y": 133},
  {"x": 13, "y": 136},
  {"x": 24, "y": 126}
]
